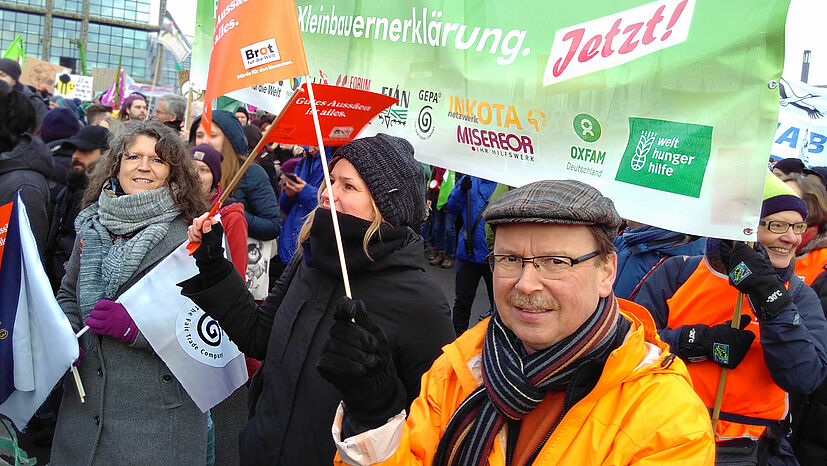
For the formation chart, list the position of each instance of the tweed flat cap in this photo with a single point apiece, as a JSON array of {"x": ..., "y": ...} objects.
[{"x": 567, "y": 202}]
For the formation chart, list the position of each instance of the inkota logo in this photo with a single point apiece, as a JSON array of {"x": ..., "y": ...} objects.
[
  {"x": 260, "y": 53},
  {"x": 665, "y": 155},
  {"x": 586, "y": 127}
]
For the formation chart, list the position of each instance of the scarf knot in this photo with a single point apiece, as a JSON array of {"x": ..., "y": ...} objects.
[{"x": 117, "y": 231}]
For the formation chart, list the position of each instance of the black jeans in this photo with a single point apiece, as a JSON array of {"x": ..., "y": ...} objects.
[{"x": 467, "y": 279}]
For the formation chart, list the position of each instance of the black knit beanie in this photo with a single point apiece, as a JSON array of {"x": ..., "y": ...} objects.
[{"x": 395, "y": 179}]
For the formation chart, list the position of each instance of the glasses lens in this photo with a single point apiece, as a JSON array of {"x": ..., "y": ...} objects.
[
  {"x": 778, "y": 227},
  {"x": 550, "y": 267},
  {"x": 799, "y": 228}
]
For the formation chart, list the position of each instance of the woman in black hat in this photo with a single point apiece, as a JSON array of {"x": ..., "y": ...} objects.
[{"x": 378, "y": 190}]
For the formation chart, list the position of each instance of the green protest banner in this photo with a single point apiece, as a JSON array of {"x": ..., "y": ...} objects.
[
  {"x": 202, "y": 42},
  {"x": 669, "y": 107}
]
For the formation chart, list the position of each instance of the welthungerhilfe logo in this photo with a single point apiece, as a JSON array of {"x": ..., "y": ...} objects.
[
  {"x": 669, "y": 156},
  {"x": 260, "y": 53}
]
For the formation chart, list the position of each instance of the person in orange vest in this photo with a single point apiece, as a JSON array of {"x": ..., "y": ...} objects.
[
  {"x": 811, "y": 255},
  {"x": 563, "y": 373},
  {"x": 779, "y": 346}
]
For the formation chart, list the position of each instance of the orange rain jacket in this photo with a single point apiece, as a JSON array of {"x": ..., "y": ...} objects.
[{"x": 643, "y": 410}]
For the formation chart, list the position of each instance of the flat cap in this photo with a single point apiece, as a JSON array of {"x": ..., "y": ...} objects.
[{"x": 567, "y": 202}]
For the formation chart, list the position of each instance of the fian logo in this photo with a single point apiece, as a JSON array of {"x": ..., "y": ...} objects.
[
  {"x": 644, "y": 145},
  {"x": 260, "y": 53}
]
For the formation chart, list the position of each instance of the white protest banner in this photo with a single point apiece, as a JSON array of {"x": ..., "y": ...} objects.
[
  {"x": 192, "y": 344},
  {"x": 271, "y": 97},
  {"x": 73, "y": 86},
  {"x": 802, "y": 123}
]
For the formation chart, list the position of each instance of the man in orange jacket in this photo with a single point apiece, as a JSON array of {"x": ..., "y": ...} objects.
[{"x": 562, "y": 373}]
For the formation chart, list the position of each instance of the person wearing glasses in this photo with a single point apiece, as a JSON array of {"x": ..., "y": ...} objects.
[
  {"x": 562, "y": 372},
  {"x": 171, "y": 110},
  {"x": 778, "y": 347},
  {"x": 141, "y": 197}
]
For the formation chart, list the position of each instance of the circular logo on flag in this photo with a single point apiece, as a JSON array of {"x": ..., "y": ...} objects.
[
  {"x": 200, "y": 337},
  {"x": 587, "y": 127}
]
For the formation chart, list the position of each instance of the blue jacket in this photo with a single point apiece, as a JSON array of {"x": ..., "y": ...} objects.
[
  {"x": 457, "y": 204},
  {"x": 310, "y": 170},
  {"x": 640, "y": 249},
  {"x": 261, "y": 210},
  {"x": 794, "y": 342}
]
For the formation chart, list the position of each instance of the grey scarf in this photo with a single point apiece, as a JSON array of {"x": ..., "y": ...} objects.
[{"x": 116, "y": 232}]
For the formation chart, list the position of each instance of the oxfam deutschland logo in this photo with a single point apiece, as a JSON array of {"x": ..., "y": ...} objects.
[
  {"x": 644, "y": 145},
  {"x": 586, "y": 127}
]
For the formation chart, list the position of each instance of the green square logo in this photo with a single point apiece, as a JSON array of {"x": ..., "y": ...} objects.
[{"x": 666, "y": 155}]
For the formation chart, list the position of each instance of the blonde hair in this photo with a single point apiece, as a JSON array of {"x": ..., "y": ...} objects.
[
  {"x": 229, "y": 164},
  {"x": 373, "y": 229}
]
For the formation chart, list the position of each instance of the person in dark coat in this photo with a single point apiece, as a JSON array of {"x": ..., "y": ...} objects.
[
  {"x": 25, "y": 162},
  {"x": 641, "y": 247},
  {"x": 141, "y": 197},
  {"x": 379, "y": 197},
  {"x": 10, "y": 72},
  {"x": 58, "y": 125}
]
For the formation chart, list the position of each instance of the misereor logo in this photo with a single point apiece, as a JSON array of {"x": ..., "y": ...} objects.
[
  {"x": 260, "y": 53},
  {"x": 666, "y": 155}
]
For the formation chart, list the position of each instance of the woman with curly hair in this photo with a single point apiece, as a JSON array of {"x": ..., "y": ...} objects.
[{"x": 141, "y": 198}]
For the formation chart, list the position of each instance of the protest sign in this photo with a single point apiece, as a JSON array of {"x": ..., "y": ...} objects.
[
  {"x": 271, "y": 97},
  {"x": 656, "y": 103},
  {"x": 802, "y": 123},
  {"x": 41, "y": 74},
  {"x": 255, "y": 42},
  {"x": 342, "y": 114},
  {"x": 73, "y": 86},
  {"x": 192, "y": 344}
]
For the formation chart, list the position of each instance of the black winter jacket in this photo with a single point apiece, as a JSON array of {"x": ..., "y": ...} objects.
[
  {"x": 26, "y": 167},
  {"x": 292, "y": 406}
]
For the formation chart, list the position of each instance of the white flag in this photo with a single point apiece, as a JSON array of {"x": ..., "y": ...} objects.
[
  {"x": 209, "y": 366},
  {"x": 37, "y": 344}
]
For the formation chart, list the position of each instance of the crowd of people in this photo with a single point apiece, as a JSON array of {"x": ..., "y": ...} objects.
[{"x": 603, "y": 343}]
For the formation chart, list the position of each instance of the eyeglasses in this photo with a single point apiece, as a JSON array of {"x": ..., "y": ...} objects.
[
  {"x": 511, "y": 266},
  {"x": 779, "y": 227}
]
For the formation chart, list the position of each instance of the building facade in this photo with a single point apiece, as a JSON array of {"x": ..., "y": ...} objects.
[{"x": 109, "y": 30}]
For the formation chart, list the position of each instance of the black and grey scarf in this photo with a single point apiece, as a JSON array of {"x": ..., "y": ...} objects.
[
  {"x": 116, "y": 232},
  {"x": 514, "y": 385}
]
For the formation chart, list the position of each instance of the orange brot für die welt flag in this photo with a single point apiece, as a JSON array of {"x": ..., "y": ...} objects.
[{"x": 255, "y": 42}]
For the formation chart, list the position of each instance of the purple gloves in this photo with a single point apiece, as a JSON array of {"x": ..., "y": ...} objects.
[{"x": 110, "y": 318}]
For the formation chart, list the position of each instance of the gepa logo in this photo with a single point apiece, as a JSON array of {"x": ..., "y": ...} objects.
[{"x": 260, "y": 53}]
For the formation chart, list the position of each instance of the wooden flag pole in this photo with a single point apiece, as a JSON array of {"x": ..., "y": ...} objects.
[
  {"x": 76, "y": 374},
  {"x": 736, "y": 323},
  {"x": 336, "y": 230},
  {"x": 191, "y": 247}
]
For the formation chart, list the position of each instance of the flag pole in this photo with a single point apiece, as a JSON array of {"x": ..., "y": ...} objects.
[
  {"x": 736, "y": 323},
  {"x": 336, "y": 230},
  {"x": 76, "y": 374},
  {"x": 191, "y": 247}
]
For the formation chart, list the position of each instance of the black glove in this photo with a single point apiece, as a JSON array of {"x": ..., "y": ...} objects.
[
  {"x": 722, "y": 344},
  {"x": 209, "y": 257},
  {"x": 465, "y": 184},
  {"x": 357, "y": 361},
  {"x": 752, "y": 273}
]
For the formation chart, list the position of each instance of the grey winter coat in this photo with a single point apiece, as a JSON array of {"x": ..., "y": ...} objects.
[
  {"x": 26, "y": 167},
  {"x": 136, "y": 411}
]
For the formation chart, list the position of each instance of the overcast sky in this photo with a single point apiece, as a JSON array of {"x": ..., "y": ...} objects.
[{"x": 805, "y": 31}]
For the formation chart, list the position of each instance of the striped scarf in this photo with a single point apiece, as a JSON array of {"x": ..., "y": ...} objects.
[{"x": 513, "y": 385}]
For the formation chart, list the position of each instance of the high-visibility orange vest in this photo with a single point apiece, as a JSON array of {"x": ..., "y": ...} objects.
[
  {"x": 751, "y": 396},
  {"x": 811, "y": 265}
]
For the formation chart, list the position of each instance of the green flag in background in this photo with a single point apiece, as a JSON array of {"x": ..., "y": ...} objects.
[
  {"x": 16, "y": 51},
  {"x": 202, "y": 42},
  {"x": 669, "y": 107}
]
